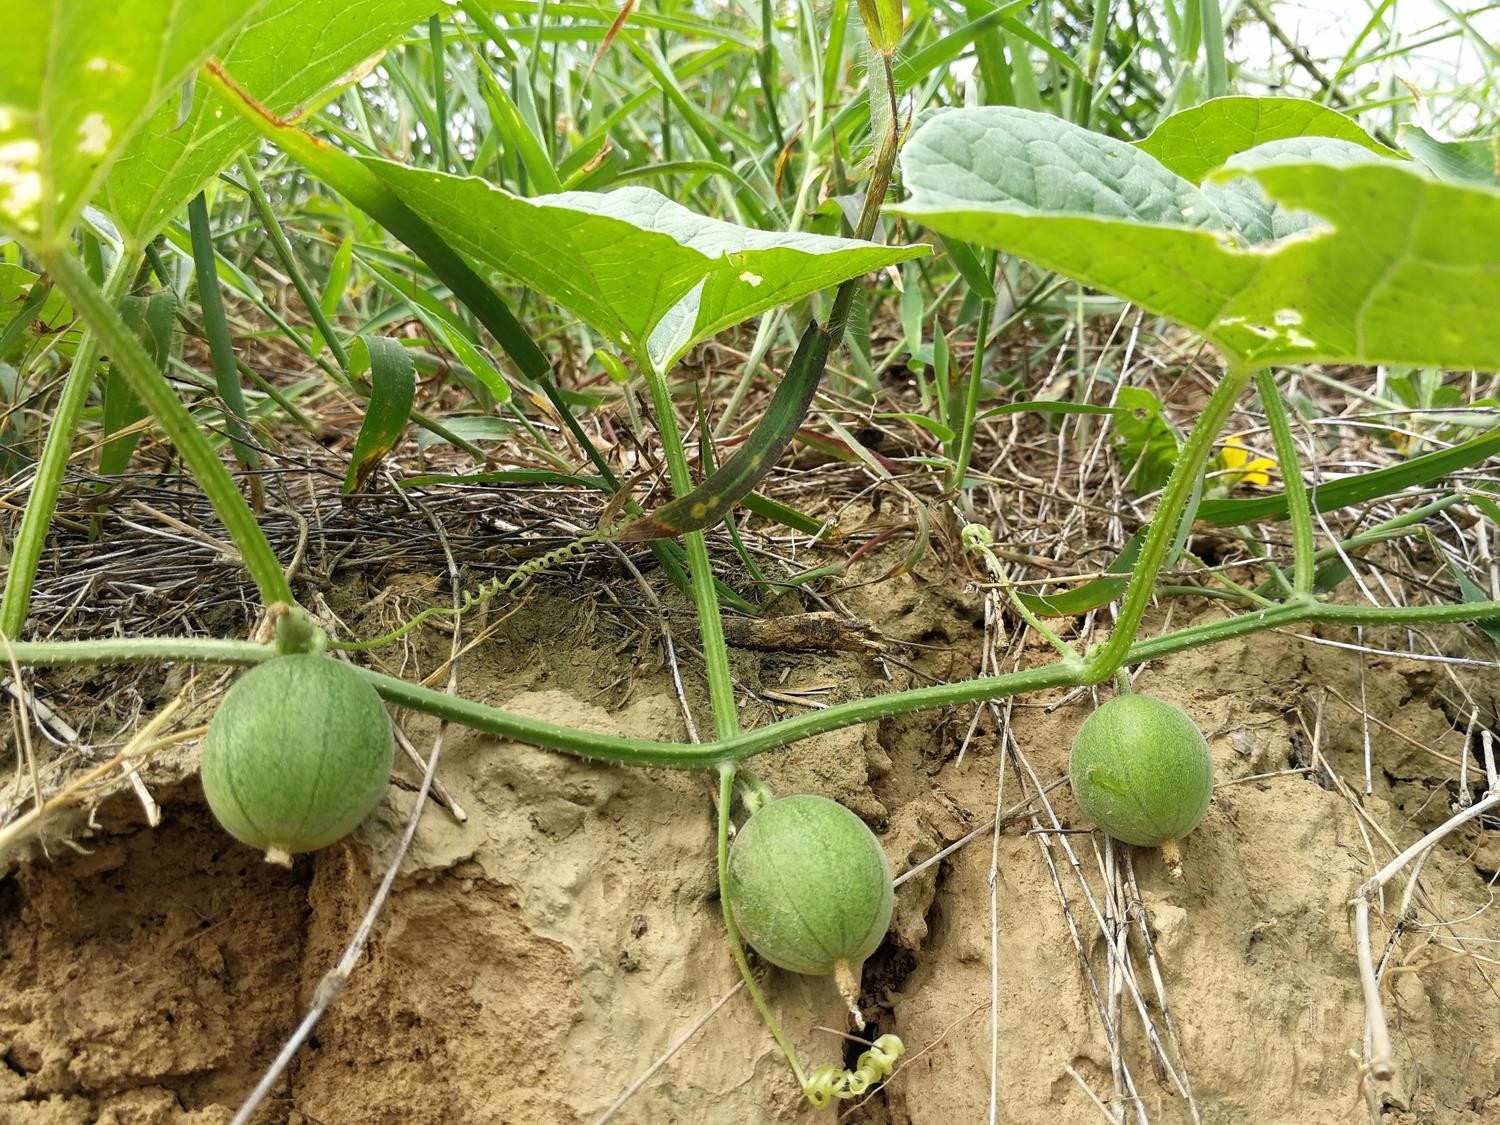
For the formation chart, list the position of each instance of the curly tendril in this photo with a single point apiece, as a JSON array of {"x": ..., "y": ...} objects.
[
  {"x": 492, "y": 588},
  {"x": 829, "y": 1082}
]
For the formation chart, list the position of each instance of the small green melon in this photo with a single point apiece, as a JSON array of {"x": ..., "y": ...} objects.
[
  {"x": 297, "y": 754},
  {"x": 1141, "y": 770},
  {"x": 809, "y": 886}
]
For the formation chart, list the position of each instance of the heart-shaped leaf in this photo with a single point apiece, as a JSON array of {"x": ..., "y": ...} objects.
[
  {"x": 1383, "y": 264},
  {"x": 1475, "y": 160},
  {"x": 292, "y": 52},
  {"x": 85, "y": 76},
  {"x": 1193, "y": 142},
  {"x": 631, "y": 262}
]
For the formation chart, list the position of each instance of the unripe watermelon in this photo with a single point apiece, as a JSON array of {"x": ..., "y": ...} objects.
[
  {"x": 1141, "y": 770},
  {"x": 809, "y": 886},
  {"x": 297, "y": 754}
]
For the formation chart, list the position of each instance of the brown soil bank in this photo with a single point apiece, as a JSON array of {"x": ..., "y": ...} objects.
[{"x": 536, "y": 959}]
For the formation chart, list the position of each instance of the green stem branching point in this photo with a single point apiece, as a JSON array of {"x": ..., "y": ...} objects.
[{"x": 713, "y": 755}]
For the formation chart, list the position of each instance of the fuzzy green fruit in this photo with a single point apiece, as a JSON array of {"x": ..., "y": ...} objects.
[
  {"x": 297, "y": 754},
  {"x": 809, "y": 886},
  {"x": 1142, "y": 771}
]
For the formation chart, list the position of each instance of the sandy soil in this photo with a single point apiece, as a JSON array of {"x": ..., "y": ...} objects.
[{"x": 535, "y": 960}]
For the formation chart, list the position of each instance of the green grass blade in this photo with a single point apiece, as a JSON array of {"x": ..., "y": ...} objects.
[
  {"x": 393, "y": 386},
  {"x": 1416, "y": 473},
  {"x": 216, "y": 328},
  {"x": 153, "y": 320}
]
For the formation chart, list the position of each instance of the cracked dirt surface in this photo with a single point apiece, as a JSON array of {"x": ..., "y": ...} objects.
[{"x": 534, "y": 960}]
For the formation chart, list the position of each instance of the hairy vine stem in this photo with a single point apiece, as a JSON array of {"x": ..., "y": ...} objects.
[
  {"x": 485, "y": 591},
  {"x": 712, "y": 755},
  {"x": 1186, "y": 472}
]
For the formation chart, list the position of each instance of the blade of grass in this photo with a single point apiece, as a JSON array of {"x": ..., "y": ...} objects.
[
  {"x": 152, "y": 319},
  {"x": 175, "y": 421},
  {"x": 1415, "y": 473},
  {"x": 439, "y": 89},
  {"x": 41, "y": 503},
  {"x": 516, "y": 135},
  {"x": 393, "y": 385},
  {"x": 221, "y": 342}
]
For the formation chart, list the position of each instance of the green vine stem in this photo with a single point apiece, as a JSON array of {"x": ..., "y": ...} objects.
[
  {"x": 1191, "y": 459},
  {"x": 977, "y": 537},
  {"x": 959, "y": 469},
  {"x": 1298, "y": 507},
  {"x": 175, "y": 421},
  {"x": 712, "y": 755},
  {"x": 26, "y": 552},
  {"x": 700, "y": 571}
]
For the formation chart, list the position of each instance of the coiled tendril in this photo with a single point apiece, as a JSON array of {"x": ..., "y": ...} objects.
[
  {"x": 829, "y": 1082},
  {"x": 482, "y": 593}
]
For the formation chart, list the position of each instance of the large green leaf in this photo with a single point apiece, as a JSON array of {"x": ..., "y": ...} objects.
[
  {"x": 80, "y": 78},
  {"x": 1475, "y": 160},
  {"x": 1193, "y": 142},
  {"x": 291, "y": 53},
  {"x": 631, "y": 262},
  {"x": 393, "y": 385},
  {"x": 1297, "y": 251}
]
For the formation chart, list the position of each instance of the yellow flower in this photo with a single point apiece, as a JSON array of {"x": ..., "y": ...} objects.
[{"x": 1242, "y": 466}]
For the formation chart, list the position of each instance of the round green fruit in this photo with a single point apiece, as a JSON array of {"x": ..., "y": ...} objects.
[
  {"x": 1142, "y": 771},
  {"x": 297, "y": 754},
  {"x": 809, "y": 886}
]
